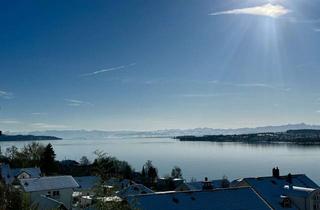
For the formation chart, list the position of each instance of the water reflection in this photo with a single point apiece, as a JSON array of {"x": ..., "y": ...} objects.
[{"x": 197, "y": 159}]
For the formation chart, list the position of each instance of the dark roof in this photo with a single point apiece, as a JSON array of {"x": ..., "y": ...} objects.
[
  {"x": 243, "y": 198},
  {"x": 49, "y": 203},
  {"x": 33, "y": 172},
  {"x": 48, "y": 183},
  {"x": 87, "y": 182},
  {"x": 271, "y": 188},
  {"x": 8, "y": 174}
]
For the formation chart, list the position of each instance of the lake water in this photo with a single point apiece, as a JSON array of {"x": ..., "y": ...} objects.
[{"x": 196, "y": 159}]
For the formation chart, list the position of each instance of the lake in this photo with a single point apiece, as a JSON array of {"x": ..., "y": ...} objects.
[{"x": 196, "y": 159}]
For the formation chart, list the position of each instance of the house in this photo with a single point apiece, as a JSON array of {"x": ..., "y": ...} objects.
[
  {"x": 87, "y": 184},
  {"x": 135, "y": 189},
  {"x": 119, "y": 183},
  {"x": 59, "y": 188},
  {"x": 68, "y": 163},
  {"x": 168, "y": 183},
  {"x": 9, "y": 175},
  {"x": 83, "y": 196},
  {"x": 200, "y": 185},
  {"x": 284, "y": 192},
  {"x": 217, "y": 199},
  {"x": 302, "y": 198}
]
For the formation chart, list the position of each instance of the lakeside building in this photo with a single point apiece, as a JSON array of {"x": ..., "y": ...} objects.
[
  {"x": 84, "y": 194},
  {"x": 87, "y": 184},
  {"x": 202, "y": 185},
  {"x": 58, "y": 188},
  {"x": 118, "y": 183},
  {"x": 216, "y": 199},
  {"x": 285, "y": 192},
  {"x": 135, "y": 189},
  {"x": 10, "y": 175},
  {"x": 169, "y": 183}
]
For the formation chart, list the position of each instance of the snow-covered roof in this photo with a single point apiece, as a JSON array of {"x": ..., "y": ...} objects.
[
  {"x": 48, "y": 183},
  {"x": 218, "y": 199},
  {"x": 295, "y": 191},
  {"x": 87, "y": 182},
  {"x": 271, "y": 188},
  {"x": 135, "y": 189}
]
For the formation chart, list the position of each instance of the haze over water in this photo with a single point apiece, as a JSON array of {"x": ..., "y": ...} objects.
[{"x": 197, "y": 159}]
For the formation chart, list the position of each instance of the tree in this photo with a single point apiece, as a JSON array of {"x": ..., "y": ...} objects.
[
  {"x": 225, "y": 182},
  {"x": 108, "y": 166},
  {"x": 47, "y": 162},
  {"x": 84, "y": 161},
  {"x": 106, "y": 199},
  {"x": 176, "y": 172},
  {"x": 11, "y": 152},
  {"x": 9, "y": 198},
  {"x": 32, "y": 153},
  {"x": 151, "y": 172},
  {"x": 143, "y": 172}
]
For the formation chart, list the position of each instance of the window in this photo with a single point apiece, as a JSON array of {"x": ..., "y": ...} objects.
[{"x": 56, "y": 193}]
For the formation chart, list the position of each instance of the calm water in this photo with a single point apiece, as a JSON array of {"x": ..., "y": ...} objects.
[{"x": 197, "y": 159}]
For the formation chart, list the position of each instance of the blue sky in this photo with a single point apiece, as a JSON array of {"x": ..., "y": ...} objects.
[{"x": 145, "y": 65}]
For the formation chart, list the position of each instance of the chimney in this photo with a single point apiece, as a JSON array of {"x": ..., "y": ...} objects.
[
  {"x": 289, "y": 178},
  {"x": 276, "y": 172},
  {"x": 207, "y": 185}
]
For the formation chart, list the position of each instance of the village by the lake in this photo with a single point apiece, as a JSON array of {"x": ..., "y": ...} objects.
[
  {"x": 159, "y": 105},
  {"x": 31, "y": 178}
]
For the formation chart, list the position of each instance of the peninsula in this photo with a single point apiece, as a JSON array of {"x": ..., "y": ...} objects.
[
  {"x": 301, "y": 137},
  {"x": 4, "y": 137}
]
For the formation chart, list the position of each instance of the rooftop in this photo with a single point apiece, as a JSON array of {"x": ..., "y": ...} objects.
[
  {"x": 48, "y": 183},
  {"x": 135, "y": 189},
  {"x": 218, "y": 199},
  {"x": 271, "y": 188},
  {"x": 8, "y": 174},
  {"x": 87, "y": 182}
]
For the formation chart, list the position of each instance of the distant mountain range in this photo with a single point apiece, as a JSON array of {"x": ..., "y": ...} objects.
[{"x": 99, "y": 134}]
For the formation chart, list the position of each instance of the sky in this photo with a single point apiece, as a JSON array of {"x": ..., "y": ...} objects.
[{"x": 148, "y": 65}]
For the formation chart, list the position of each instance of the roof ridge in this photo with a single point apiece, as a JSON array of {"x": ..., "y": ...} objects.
[{"x": 265, "y": 201}]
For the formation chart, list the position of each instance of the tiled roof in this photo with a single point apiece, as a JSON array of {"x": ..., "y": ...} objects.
[
  {"x": 243, "y": 198},
  {"x": 48, "y": 183}
]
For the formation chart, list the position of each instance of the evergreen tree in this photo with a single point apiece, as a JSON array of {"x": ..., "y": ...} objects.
[
  {"x": 47, "y": 162},
  {"x": 143, "y": 172}
]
